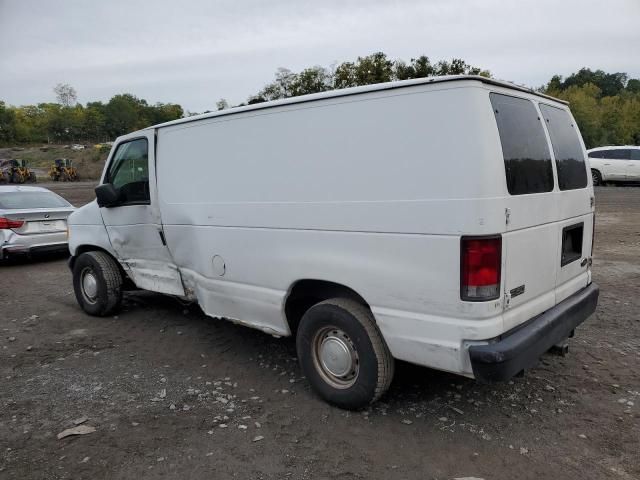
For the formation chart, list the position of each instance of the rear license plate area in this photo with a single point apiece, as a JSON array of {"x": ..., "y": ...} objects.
[
  {"x": 572, "y": 243},
  {"x": 50, "y": 226}
]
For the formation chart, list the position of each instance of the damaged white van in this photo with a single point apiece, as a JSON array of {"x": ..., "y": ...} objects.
[{"x": 446, "y": 222}]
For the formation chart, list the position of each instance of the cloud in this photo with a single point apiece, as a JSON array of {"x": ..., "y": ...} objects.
[{"x": 194, "y": 52}]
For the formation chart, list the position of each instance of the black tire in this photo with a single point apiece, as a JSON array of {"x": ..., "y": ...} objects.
[
  {"x": 108, "y": 283},
  {"x": 358, "y": 330},
  {"x": 596, "y": 177}
]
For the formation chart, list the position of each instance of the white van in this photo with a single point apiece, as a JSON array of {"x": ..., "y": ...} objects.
[{"x": 446, "y": 222}]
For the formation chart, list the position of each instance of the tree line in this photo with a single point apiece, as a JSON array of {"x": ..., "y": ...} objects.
[
  {"x": 606, "y": 105},
  {"x": 69, "y": 121},
  {"x": 375, "y": 68}
]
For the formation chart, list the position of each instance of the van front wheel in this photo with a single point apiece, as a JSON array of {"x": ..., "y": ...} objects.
[
  {"x": 97, "y": 283},
  {"x": 342, "y": 353}
]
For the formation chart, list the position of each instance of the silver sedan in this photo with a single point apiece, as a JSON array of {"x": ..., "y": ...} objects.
[{"x": 32, "y": 219}]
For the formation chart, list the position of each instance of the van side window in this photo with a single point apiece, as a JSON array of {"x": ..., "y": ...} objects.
[
  {"x": 527, "y": 159},
  {"x": 129, "y": 171},
  {"x": 572, "y": 171}
]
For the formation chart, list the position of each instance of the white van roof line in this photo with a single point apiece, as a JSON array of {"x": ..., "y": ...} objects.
[{"x": 354, "y": 91}]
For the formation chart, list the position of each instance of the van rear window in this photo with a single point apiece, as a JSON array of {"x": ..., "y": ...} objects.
[
  {"x": 572, "y": 171},
  {"x": 527, "y": 159}
]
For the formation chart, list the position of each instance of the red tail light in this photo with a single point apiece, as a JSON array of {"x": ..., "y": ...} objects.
[
  {"x": 480, "y": 261},
  {"x": 6, "y": 223}
]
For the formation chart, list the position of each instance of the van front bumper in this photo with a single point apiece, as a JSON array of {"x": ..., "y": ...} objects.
[{"x": 520, "y": 348}]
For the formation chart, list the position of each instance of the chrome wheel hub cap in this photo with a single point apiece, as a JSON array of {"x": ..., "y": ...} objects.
[
  {"x": 89, "y": 285},
  {"x": 336, "y": 358}
]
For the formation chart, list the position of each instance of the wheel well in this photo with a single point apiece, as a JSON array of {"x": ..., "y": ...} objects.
[
  {"x": 306, "y": 293},
  {"x": 87, "y": 248},
  {"x": 128, "y": 283}
]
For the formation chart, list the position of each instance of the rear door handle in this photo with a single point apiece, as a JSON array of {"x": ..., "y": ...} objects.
[{"x": 583, "y": 262}]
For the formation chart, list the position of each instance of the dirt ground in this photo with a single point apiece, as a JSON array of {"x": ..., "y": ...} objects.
[{"x": 174, "y": 394}]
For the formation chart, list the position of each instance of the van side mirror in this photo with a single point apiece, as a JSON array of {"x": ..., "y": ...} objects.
[{"x": 107, "y": 195}]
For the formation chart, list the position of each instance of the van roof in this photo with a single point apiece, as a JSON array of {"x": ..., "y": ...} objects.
[{"x": 357, "y": 90}]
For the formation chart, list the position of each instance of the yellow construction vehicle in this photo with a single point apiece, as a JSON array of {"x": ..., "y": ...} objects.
[
  {"x": 16, "y": 171},
  {"x": 63, "y": 170}
]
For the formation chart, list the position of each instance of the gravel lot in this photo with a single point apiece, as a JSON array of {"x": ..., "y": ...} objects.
[{"x": 172, "y": 393}]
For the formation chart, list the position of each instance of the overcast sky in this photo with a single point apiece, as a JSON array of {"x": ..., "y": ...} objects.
[{"x": 193, "y": 52}]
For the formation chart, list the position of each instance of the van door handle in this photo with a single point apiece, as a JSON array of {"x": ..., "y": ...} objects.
[{"x": 583, "y": 262}]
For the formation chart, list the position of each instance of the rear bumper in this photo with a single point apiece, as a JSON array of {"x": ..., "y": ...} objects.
[
  {"x": 519, "y": 349},
  {"x": 12, "y": 243},
  {"x": 15, "y": 250}
]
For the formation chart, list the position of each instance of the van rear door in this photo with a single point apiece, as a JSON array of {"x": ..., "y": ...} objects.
[
  {"x": 530, "y": 240},
  {"x": 575, "y": 201},
  {"x": 548, "y": 221}
]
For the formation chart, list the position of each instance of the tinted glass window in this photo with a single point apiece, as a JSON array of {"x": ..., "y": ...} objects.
[
  {"x": 596, "y": 154},
  {"x": 129, "y": 171},
  {"x": 17, "y": 200},
  {"x": 635, "y": 154},
  {"x": 570, "y": 164},
  {"x": 618, "y": 154},
  {"x": 527, "y": 159}
]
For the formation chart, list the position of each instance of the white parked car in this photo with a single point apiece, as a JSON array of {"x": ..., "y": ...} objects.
[
  {"x": 430, "y": 221},
  {"x": 615, "y": 164},
  {"x": 77, "y": 147},
  {"x": 32, "y": 219}
]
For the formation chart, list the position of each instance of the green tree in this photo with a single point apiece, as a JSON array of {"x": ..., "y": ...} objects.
[
  {"x": 375, "y": 68},
  {"x": 95, "y": 122},
  {"x": 610, "y": 84},
  {"x": 633, "y": 85},
  {"x": 7, "y": 124},
  {"x": 310, "y": 80},
  {"x": 160, "y": 113},
  {"x": 603, "y": 119},
  {"x": 345, "y": 75},
  {"x": 122, "y": 114}
]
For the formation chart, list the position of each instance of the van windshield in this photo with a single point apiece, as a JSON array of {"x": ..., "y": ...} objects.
[
  {"x": 527, "y": 159},
  {"x": 572, "y": 172}
]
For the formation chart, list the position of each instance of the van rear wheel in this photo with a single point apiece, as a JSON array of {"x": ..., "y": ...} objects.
[
  {"x": 97, "y": 283},
  {"x": 596, "y": 177},
  {"x": 342, "y": 353}
]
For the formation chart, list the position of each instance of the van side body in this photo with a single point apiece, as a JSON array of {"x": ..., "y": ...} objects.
[{"x": 368, "y": 192}]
